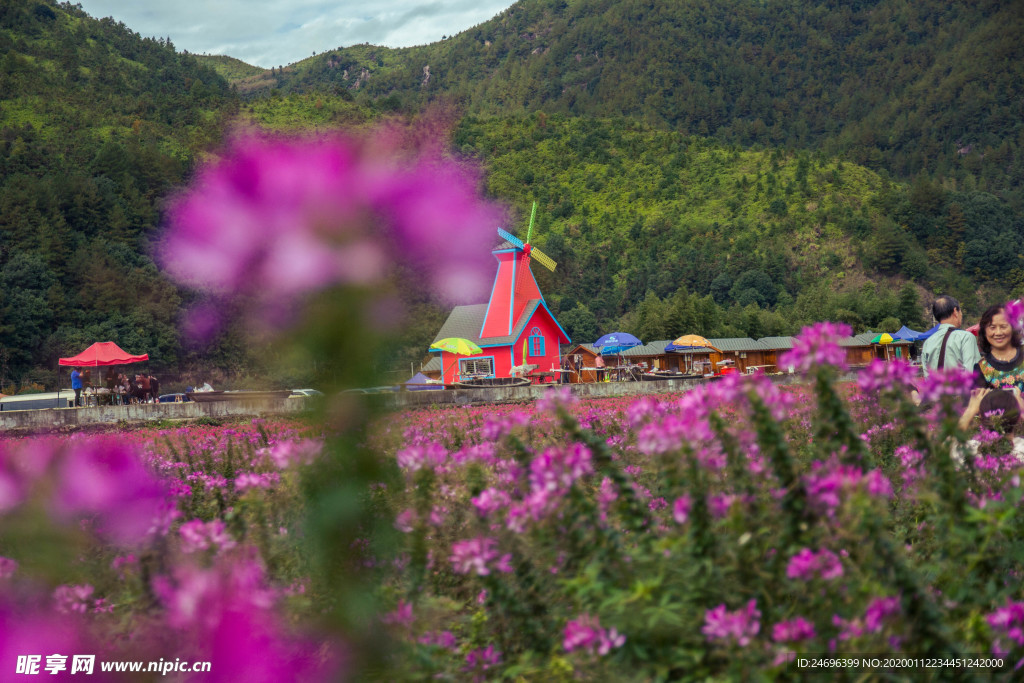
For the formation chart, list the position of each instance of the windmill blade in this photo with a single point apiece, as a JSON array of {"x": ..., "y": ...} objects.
[
  {"x": 542, "y": 258},
  {"x": 510, "y": 238}
]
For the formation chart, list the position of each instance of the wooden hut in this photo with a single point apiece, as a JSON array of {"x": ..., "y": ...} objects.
[
  {"x": 583, "y": 358},
  {"x": 745, "y": 352},
  {"x": 775, "y": 347}
]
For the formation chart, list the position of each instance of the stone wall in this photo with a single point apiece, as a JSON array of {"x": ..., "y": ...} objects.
[{"x": 58, "y": 418}]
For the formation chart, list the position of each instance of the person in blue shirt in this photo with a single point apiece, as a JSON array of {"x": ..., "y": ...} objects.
[{"x": 76, "y": 384}]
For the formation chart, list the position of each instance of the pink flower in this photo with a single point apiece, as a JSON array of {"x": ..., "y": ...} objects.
[
  {"x": 817, "y": 345},
  {"x": 585, "y": 633},
  {"x": 277, "y": 218},
  {"x": 881, "y": 376},
  {"x": 478, "y": 556},
  {"x": 106, "y": 478},
  {"x": 806, "y": 564},
  {"x": 443, "y": 639},
  {"x": 252, "y": 480},
  {"x": 7, "y": 567},
  {"x": 198, "y": 535},
  {"x": 491, "y": 500},
  {"x": 878, "y": 610},
  {"x": 416, "y": 457},
  {"x": 793, "y": 630},
  {"x": 482, "y": 659},
  {"x": 70, "y": 599},
  {"x": 401, "y": 616},
  {"x": 737, "y": 627},
  {"x": 557, "y": 468},
  {"x": 1014, "y": 312},
  {"x": 681, "y": 509},
  {"x": 955, "y": 382},
  {"x": 288, "y": 453}
]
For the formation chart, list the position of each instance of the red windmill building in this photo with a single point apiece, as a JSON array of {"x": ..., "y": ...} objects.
[{"x": 515, "y": 329}]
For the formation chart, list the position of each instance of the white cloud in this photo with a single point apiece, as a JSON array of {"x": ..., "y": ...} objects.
[{"x": 273, "y": 32}]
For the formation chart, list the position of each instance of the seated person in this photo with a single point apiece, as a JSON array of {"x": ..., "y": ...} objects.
[{"x": 999, "y": 411}]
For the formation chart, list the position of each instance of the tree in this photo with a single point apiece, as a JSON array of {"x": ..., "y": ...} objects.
[
  {"x": 909, "y": 308},
  {"x": 580, "y": 324}
]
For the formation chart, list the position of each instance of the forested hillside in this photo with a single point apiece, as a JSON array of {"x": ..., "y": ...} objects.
[
  {"x": 638, "y": 214},
  {"x": 97, "y": 127},
  {"x": 736, "y": 168},
  {"x": 929, "y": 86}
]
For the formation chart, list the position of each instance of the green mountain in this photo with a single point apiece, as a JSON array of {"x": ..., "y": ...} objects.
[
  {"x": 97, "y": 127},
  {"x": 229, "y": 68},
  {"x": 738, "y": 168},
  {"x": 928, "y": 86}
]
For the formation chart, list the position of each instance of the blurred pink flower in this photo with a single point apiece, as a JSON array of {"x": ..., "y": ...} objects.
[
  {"x": 585, "y": 633},
  {"x": 478, "y": 556},
  {"x": 681, "y": 509},
  {"x": 106, "y": 478},
  {"x": 197, "y": 535},
  {"x": 817, "y": 345},
  {"x": 737, "y": 627},
  {"x": 277, "y": 218},
  {"x": 558, "y": 467},
  {"x": 401, "y": 616},
  {"x": 881, "y": 376},
  {"x": 70, "y": 599},
  {"x": 793, "y": 630},
  {"x": 878, "y": 610},
  {"x": 7, "y": 567},
  {"x": 807, "y": 564}
]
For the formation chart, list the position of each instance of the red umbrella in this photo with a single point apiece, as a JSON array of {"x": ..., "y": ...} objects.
[
  {"x": 973, "y": 329},
  {"x": 103, "y": 353}
]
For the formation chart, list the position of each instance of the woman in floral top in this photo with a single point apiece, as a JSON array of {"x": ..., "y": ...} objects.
[{"x": 1002, "y": 362}]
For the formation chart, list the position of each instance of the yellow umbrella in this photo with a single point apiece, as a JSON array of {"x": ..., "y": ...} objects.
[
  {"x": 884, "y": 338},
  {"x": 457, "y": 345},
  {"x": 691, "y": 342}
]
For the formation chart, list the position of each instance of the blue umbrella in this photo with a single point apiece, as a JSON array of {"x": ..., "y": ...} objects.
[{"x": 617, "y": 342}]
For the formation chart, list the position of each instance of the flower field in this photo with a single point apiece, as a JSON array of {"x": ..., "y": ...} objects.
[{"x": 719, "y": 533}]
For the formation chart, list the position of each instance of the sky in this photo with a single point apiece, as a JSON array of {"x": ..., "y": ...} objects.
[{"x": 270, "y": 33}]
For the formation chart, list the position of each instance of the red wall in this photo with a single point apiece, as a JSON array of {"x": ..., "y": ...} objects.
[{"x": 505, "y": 356}]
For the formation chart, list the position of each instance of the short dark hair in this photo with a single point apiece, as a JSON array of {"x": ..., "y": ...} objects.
[
  {"x": 943, "y": 307},
  {"x": 1003, "y": 402},
  {"x": 986, "y": 319}
]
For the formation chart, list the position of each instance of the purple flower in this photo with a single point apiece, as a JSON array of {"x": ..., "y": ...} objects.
[
  {"x": 817, "y": 345},
  {"x": 795, "y": 629},
  {"x": 737, "y": 627}
]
